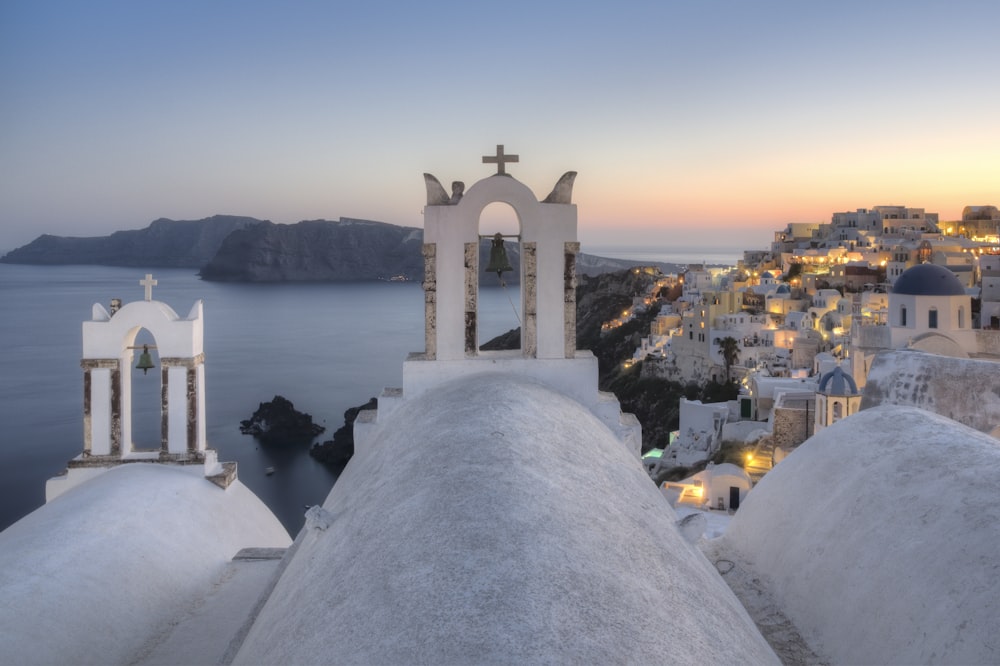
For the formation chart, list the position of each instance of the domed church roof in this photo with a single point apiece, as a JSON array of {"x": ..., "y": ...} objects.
[
  {"x": 495, "y": 520},
  {"x": 928, "y": 280},
  {"x": 837, "y": 382}
]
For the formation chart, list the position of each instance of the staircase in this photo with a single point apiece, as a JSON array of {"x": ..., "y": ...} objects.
[{"x": 761, "y": 463}]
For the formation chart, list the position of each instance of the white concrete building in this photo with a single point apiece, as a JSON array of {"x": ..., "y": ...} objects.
[{"x": 719, "y": 487}]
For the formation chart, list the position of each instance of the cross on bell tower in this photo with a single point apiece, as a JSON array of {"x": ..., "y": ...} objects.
[
  {"x": 500, "y": 160},
  {"x": 149, "y": 283}
]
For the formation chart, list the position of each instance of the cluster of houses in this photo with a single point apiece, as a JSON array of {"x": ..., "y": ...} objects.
[{"x": 804, "y": 321}]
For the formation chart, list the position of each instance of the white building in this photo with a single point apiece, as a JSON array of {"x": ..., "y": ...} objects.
[
  {"x": 720, "y": 487},
  {"x": 837, "y": 397},
  {"x": 928, "y": 310}
]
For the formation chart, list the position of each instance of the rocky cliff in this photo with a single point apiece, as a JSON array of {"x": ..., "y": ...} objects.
[
  {"x": 349, "y": 249},
  {"x": 318, "y": 250},
  {"x": 164, "y": 243},
  {"x": 244, "y": 249}
]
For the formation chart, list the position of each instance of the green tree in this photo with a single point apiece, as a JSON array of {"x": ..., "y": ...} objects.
[{"x": 730, "y": 350}]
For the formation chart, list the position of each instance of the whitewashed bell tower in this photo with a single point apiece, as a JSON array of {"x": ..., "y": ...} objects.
[
  {"x": 548, "y": 246},
  {"x": 108, "y": 356}
]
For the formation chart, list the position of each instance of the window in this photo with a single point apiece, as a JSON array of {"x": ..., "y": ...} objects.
[
  {"x": 932, "y": 318},
  {"x": 902, "y": 315},
  {"x": 838, "y": 411},
  {"x": 961, "y": 317}
]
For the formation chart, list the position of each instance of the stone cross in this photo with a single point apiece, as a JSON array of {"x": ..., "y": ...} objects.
[
  {"x": 148, "y": 283},
  {"x": 500, "y": 159}
]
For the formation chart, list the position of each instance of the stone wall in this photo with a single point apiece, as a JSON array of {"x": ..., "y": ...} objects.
[
  {"x": 988, "y": 342},
  {"x": 872, "y": 337},
  {"x": 792, "y": 426}
]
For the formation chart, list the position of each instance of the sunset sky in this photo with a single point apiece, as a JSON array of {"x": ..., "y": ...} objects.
[{"x": 689, "y": 123}]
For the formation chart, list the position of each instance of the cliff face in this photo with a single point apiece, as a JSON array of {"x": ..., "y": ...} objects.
[
  {"x": 244, "y": 249},
  {"x": 164, "y": 243},
  {"x": 318, "y": 250}
]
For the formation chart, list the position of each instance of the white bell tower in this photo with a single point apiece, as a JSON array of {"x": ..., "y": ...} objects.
[
  {"x": 108, "y": 355},
  {"x": 547, "y": 240}
]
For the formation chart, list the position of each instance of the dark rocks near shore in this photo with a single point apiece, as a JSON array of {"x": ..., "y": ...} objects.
[
  {"x": 337, "y": 452},
  {"x": 278, "y": 422}
]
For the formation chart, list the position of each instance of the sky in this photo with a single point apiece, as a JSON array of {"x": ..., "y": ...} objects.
[{"x": 689, "y": 123}]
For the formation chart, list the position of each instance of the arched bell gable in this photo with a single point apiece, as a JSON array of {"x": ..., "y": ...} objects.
[{"x": 108, "y": 355}]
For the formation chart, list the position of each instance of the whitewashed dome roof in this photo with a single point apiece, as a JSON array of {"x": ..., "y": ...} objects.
[
  {"x": 93, "y": 574},
  {"x": 498, "y": 521},
  {"x": 878, "y": 538}
]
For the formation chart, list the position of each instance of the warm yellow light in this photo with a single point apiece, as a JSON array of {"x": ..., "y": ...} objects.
[{"x": 749, "y": 457}]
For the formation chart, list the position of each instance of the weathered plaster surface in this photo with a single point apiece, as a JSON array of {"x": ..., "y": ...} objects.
[{"x": 964, "y": 390}]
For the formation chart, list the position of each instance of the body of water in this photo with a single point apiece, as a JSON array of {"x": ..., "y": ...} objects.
[
  {"x": 672, "y": 255},
  {"x": 325, "y": 347}
]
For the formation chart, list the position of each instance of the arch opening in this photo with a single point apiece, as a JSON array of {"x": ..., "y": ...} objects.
[
  {"x": 143, "y": 428},
  {"x": 498, "y": 300}
]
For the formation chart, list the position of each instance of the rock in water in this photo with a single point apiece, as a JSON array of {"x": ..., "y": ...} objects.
[
  {"x": 277, "y": 422},
  {"x": 337, "y": 452}
]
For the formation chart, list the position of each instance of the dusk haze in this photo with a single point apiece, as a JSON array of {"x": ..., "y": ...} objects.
[
  {"x": 515, "y": 332},
  {"x": 687, "y": 122}
]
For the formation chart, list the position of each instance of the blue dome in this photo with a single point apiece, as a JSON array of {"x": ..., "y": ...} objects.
[
  {"x": 836, "y": 382},
  {"x": 783, "y": 289},
  {"x": 928, "y": 280}
]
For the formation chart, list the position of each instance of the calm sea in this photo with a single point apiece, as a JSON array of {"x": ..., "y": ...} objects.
[
  {"x": 717, "y": 254},
  {"x": 325, "y": 347}
]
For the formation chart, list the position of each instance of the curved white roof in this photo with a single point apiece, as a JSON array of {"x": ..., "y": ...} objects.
[
  {"x": 497, "y": 521},
  {"x": 877, "y": 537},
  {"x": 91, "y": 576}
]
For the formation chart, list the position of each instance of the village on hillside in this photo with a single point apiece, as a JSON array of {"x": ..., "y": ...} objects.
[
  {"x": 496, "y": 509},
  {"x": 798, "y": 326}
]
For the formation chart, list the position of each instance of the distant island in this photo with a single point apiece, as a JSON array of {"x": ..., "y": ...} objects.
[
  {"x": 163, "y": 244},
  {"x": 229, "y": 248}
]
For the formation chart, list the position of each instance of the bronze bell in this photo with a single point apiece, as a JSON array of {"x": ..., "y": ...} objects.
[
  {"x": 145, "y": 360},
  {"x": 499, "y": 263}
]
